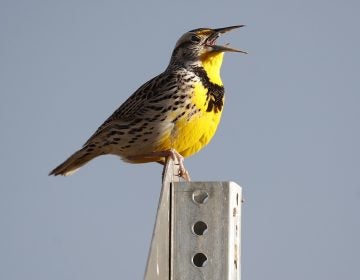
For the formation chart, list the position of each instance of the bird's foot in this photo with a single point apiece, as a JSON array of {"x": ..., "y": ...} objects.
[{"x": 183, "y": 173}]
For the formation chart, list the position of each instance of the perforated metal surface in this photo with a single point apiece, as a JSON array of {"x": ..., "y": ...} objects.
[
  {"x": 212, "y": 253},
  {"x": 197, "y": 232}
]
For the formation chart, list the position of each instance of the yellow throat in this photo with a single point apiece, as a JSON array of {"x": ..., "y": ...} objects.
[{"x": 212, "y": 65}]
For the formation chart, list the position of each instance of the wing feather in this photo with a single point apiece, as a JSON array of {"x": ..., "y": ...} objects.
[{"x": 141, "y": 103}]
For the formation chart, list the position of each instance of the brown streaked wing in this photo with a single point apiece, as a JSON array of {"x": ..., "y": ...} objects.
[{"x": 140, "y": 102}]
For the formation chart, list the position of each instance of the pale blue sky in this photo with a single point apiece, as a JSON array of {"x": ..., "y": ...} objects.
[{"x": 289, "y": 135}]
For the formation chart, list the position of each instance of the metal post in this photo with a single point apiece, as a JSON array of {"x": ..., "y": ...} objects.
[
  {"x": 197, "y": 231},
  {"x": 158, "y": 263}
]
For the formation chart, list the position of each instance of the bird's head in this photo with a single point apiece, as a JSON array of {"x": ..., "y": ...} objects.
[{"x": 199, "y": 43}]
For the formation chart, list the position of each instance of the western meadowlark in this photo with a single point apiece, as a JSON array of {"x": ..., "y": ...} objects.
[{"x": 174, "y": 114}]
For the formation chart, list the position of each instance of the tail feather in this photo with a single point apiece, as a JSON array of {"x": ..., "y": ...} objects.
[{"x": 74, "y": 162}]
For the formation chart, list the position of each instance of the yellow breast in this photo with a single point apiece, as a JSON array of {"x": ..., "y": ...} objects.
[{"x": 191, "y": 134}]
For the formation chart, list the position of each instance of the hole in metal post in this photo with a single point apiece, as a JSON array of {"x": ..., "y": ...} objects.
[
  {"x": 200, "y": 197},
  {"x": 199, "y": 260},
  {"x": 237, "y": 199},
  {"x": 200, "y": 228}
]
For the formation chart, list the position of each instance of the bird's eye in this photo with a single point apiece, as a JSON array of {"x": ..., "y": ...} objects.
[{"x": 195, "y": 39}]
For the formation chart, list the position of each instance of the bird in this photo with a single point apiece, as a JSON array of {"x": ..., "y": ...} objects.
[{"x": 175, "y": 114}]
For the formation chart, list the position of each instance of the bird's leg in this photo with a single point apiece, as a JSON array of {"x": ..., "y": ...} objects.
[
  {"x": 183, "y": 173},
  {"x": 180, "y": 159}
]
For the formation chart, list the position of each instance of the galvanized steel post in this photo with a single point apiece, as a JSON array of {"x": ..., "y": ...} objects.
[{"x": 197, "y": 231}]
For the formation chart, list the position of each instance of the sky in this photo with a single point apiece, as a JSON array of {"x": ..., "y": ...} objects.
[{"x": 289, "y": 134}]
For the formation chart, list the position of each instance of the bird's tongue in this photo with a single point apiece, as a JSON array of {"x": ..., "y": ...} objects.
[{"x": 212, "y": 41}]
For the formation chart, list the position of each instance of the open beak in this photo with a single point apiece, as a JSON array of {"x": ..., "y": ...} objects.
[{"x": 218, "y": 48}]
